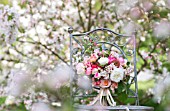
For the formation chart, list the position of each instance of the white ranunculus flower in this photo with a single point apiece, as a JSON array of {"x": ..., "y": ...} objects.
[
  {"x": 80, "y": 68},
  {"x": 117, "y": 74},
  {"x": 103, "y": 61}
]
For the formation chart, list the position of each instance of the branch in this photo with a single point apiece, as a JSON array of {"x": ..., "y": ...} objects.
[
  {"x": 33, "y": 24},
  {"x": 99, "y": 11},
  {"x": 20, "y": 52},
  {"x": 11, "y": 60},
  {"x": 145, "y": 99},
  {"x": 89, "y": 21},
  {"x": 81, "y": 19},
  {"x": 145, "y": 62},
  {"x": 39, "y": 43},
  {"x": 117, "y": 19},
  {"x": 96, "y": 15}
]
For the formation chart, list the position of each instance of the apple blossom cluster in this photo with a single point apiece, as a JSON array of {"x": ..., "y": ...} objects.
[
  {"x": 8, "y": 24},
  {"x": 105, "y": 70},
  {"x": 161, "y": 89}
]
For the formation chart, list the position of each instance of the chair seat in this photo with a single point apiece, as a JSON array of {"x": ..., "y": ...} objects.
[{"x": 110, "y": 108}]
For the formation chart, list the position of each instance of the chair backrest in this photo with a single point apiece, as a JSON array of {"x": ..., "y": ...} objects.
[{"x": 82, "y": 44}]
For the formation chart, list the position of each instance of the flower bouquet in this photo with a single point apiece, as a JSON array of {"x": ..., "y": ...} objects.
[{"x": 106, "y": 69}]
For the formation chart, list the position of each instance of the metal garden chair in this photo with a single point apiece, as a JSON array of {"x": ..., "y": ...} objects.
[{"x": 106, "y": 39}]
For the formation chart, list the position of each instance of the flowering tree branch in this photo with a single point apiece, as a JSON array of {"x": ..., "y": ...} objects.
[
  {"x": 79, "y": 13},
  {"x": 11, "y": 60},
  {"x": 150, "y": 54},
  {"x": 46, "y": 47},
  {"x": 96, "y": 16},
  {"x": 90, "y": 13},
  {"x": 20, "y": 52}
]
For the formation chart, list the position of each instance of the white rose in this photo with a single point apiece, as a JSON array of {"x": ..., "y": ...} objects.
[
  {"x": 117, "y": 74},
  {"x": 80, "y": 68},
  {"x": 103, "y": 61}
]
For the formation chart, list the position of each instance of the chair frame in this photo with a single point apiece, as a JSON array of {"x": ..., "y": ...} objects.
[{"x": 73, "y": 38}]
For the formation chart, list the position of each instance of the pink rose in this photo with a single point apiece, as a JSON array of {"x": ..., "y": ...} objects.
[
  {"x": 88, "y": 71},
  {"x": 111, "y": 59}
]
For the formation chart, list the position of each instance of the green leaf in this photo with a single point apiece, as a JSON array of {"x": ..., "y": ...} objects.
[
  {"x": 166, "y": 64},
  {"x": 24, "y": 5},
  {"x": 10, "y": 17},
  {"x": 2, "y": 100},
  {"x": 168, "y": 43},
  {"x": 122, "y": 96},
  {"x": 98, "y": 5},
  {"x": 21, "y": 107},
  {"x": 121, "y": 87},
  {"x": 128, "y": 63},
  {"x": 109, "y": 25},
  {"x": 164, "y": 13},
  {"x": 21, "y": 29}
]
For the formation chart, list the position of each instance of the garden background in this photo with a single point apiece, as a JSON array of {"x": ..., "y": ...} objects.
[{"x": 34, "y": 48}]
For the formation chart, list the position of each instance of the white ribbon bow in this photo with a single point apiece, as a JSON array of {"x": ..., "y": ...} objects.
[{"x": 109, "y": 98}]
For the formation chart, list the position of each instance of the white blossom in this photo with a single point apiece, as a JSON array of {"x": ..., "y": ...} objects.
[
  {"x": 161, "y": 29},
  {"x": 10, "y": 100},
  {"x": 80, "y": 68},
  {"x": 58, "y": 77},
  {"x": 20, "y": 81},
  {"x": 9, "y": 24},
  {"x": 40, "y": 106}
]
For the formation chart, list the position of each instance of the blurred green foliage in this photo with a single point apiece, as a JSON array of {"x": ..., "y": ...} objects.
[{"x": 5, "y": 2}]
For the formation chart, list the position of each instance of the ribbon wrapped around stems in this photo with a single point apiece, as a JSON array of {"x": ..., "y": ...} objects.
[{"x": 104, "y": 92}]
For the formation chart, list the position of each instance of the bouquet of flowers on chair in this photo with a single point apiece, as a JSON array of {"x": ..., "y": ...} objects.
[{"x": 105, "y": 69}]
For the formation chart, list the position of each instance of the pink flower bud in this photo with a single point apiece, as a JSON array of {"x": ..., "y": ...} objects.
[{"x": 97, "y": 75}]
